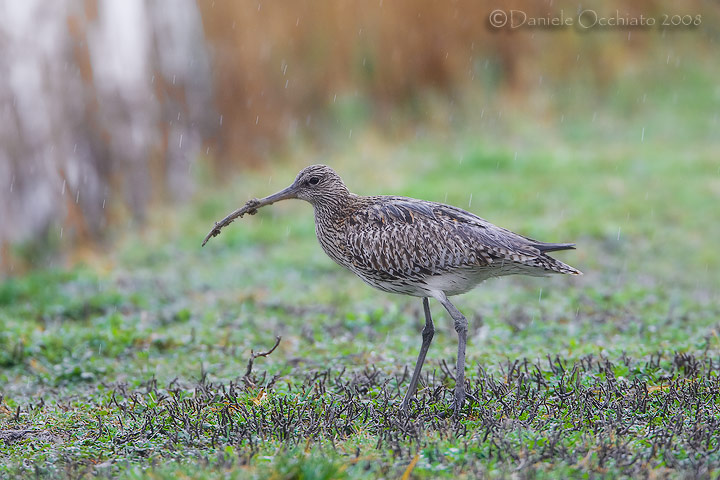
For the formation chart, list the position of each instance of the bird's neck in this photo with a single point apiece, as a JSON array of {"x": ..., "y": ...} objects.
[
  {"x": 334, "y": 205},
  {"x": 330, "y": 224}
]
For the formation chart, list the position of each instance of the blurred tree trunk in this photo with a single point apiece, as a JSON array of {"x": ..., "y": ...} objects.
[{"x": 105, "y": 108}]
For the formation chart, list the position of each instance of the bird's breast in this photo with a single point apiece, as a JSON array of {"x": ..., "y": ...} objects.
[{"x": 331, "y": 236}]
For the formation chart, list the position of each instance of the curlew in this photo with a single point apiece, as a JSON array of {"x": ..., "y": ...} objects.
[{"x": 412, "y": 247}]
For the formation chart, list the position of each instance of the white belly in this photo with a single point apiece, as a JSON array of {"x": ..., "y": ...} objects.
[
  {"x": 455, "y": 282},
  {"x": 451, "y": 283}
]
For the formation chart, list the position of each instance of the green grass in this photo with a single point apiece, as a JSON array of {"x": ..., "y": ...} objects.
[{"x": 133, "y": 365}]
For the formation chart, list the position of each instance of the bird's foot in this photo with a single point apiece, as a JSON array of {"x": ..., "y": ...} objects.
[{"x": 458, "y": 401}]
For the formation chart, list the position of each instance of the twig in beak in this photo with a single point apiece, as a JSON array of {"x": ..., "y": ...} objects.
[{"x": 250, "y": 207}]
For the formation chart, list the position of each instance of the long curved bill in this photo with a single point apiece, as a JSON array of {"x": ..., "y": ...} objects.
[{"x": 250, "y": 207}]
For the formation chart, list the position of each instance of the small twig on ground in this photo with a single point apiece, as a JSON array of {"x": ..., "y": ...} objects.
[
  {"x": 254, "y": 355},
  {"x": 446, "y": 369}
]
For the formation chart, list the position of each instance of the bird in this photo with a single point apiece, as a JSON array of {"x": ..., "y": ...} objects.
[{"x": 413, "y": 247}]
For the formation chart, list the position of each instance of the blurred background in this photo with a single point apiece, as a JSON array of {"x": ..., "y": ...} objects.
[
  {"x": 127, "y": 127},
  {"x": 111, "y": 110}
]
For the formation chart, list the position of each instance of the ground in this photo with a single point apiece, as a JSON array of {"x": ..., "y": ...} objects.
[{"x": 135, "y": 363}]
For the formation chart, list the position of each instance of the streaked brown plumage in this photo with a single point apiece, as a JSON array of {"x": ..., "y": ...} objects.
[{"x": 413, "y": 247}]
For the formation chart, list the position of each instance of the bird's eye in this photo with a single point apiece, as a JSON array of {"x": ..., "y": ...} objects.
[{"x": 313, "y": 180}]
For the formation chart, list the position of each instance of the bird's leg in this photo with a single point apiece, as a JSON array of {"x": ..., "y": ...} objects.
[
  {"x": 461, "y": 326},
  {"x": 427, "y": 336}
]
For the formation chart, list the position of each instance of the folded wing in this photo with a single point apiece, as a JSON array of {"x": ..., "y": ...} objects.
[{"x": 404, "y": 237}]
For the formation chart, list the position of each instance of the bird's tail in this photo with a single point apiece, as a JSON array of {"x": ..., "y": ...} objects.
[
  {"x": 556, "y": 266},
  {"x": 553, "y": 264}
]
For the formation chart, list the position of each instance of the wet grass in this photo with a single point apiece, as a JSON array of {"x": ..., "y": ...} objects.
[
  {"x": 135, "y": 365},
  {"x": 630, "y": 417}
]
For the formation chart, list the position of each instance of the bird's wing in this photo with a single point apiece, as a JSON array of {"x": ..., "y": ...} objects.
[
  {"x": 404, "y": 236},
  {"x": 502, "y": 237}
]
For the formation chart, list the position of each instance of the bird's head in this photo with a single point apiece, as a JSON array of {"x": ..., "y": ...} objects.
[{"x": 316, "y": 184}]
